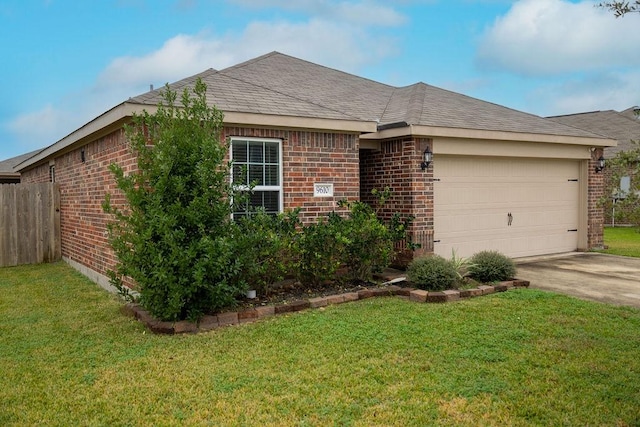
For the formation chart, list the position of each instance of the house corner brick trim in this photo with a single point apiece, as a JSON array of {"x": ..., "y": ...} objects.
[
  {"x": 595, "y": 214},
  {"x": 397, "y": 166}
]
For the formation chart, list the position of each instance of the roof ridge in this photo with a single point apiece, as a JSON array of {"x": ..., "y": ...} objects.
[
  {"x": 226, "y": 73},
  {"x": 175, "y": 85},
  {"x": 276, "y": 53},
  {"x": 418, "y": 101},
  {"x": 577, "y": 114},
  {"x": 626, "y": 117},
  {"x": 251, "y": 61},
  {"x": 290, "y": 96}
]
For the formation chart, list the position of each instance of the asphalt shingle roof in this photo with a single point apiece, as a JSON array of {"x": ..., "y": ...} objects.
[
  {"x": 283, "y": 85},
  {"x": 7, "y": 166},
  {"x": 620, "y": 126}
]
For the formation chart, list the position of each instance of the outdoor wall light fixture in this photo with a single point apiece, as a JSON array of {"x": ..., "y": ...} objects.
[
  {"x": 427, "y": 158},
  {"x": 600, "y": 164},
  {"x": 83, "y": 158}
]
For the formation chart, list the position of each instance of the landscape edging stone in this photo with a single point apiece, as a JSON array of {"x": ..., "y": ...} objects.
[{"x": 250, "y": 315}]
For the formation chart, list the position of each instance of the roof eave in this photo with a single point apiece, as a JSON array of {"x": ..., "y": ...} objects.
[
  {"x": 312, "y": 123},
  {"x": 444, "y": 132},
  {"x": 4, "y": 175},
  {"x": 118, "y": 115},
  {"x": 105, "y": 122}
]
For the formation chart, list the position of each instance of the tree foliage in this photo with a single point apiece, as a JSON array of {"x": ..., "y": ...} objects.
[
  {"x": 627, "y": 204},
  {"x": 621, "y": 8},
  {"x": 174, "y": 237}
]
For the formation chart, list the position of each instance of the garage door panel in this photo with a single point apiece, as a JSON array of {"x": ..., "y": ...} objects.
[{"x": 474, "y": 196}]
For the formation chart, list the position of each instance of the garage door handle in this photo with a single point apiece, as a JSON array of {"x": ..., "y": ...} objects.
[
  {"x": 509, "y": 219},
  {"x": 573, "y": 229}
]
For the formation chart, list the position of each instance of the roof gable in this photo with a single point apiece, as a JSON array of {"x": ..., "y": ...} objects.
[
  {"x": 283, "y": 91},
  {"x": 282, "y": 85}
]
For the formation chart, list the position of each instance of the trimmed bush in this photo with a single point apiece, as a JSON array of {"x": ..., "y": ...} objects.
[
  {"x": 266, "y": 249},
  {"x": 432, "y": 273},
  {"x": 367, "y": 242},
  {"x": 321, "y": 250},
  {"x": 491, "y": 266},
  {"x": 360, "y": 242}
]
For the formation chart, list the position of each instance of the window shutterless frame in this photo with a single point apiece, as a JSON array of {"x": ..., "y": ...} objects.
[{"x": 259, "y": 161}]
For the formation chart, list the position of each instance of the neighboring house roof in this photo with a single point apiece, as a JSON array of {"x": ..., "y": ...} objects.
[
  {"x": 621, "y": 126},
  {"x": 632, "y": 112},
  {"x": 8, "y": 166},
  {"x": 280, "y": 90}
]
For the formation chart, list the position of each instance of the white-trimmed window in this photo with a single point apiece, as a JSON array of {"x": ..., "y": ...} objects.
[{"x": 258, "y": 162}]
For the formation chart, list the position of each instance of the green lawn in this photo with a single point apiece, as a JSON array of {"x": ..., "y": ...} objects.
[
  {"x": 622, "y": 241},
  {"x": 523, "y": 357}
]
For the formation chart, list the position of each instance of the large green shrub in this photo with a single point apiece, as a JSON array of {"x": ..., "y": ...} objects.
[
  {"x": 491, "y": 266},
  {"x": 175, "y": 237},
  {"x": 432, "y": 273}
]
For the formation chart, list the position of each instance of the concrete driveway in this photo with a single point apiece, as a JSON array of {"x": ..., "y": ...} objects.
[{"x": 587, "y": 275}]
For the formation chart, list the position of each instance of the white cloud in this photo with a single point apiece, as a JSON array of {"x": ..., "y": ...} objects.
[
  {"x": 36, "y": 127},
  {"x": 318, "y": 40},
  {"x": 542, "y": 37},
  {"x": 602, "y": 91},
  {"x": 179, "y": 57}
]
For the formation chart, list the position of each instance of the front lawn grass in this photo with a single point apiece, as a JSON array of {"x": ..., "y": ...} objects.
[
  {"x": 523, "y": 357},
  {"x": 623, "y": 241}
]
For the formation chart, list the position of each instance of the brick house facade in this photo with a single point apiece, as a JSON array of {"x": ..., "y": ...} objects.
[{"x": 342, "y": 130}]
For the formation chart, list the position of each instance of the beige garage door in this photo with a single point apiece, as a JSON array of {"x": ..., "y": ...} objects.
[{"x": 520, "y": 207}]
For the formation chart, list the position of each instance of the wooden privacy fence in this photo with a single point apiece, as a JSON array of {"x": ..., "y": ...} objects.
[{"x": 29, "y": 223}]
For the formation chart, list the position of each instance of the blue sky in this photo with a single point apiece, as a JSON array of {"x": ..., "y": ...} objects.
[{"x": 66, "y": 61}]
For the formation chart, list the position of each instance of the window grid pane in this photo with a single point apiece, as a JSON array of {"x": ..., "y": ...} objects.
[
  {"x": 271, "y": 153},
  {"x": 256, "y": 152},
  {"x": 271, "y": 175},
  {"x": 256, "y": 174},
  {"x": 258, "y": 163},
  {"x": 240, "y": 151}
]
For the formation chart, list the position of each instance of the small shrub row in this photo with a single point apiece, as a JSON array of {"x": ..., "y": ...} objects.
[
  {"x": 272, "y": 247},
  {"x": 436, "y": 273}
]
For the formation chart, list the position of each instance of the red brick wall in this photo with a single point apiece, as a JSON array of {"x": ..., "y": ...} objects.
[
  {"x": 308, "y": 157},
  {"x": 397, "y": 166},
  {"x": 313, "y": 157},
  {"x": 595, "y": 219},
  {"x": 37, "y": 174},
  {"x": 82, "y": 190}
]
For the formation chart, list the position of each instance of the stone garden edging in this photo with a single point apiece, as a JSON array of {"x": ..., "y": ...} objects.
[{"x": 211, "y": 322}]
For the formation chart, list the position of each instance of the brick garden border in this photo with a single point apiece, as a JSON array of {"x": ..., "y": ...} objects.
[{"x": 211, "y": 322}]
